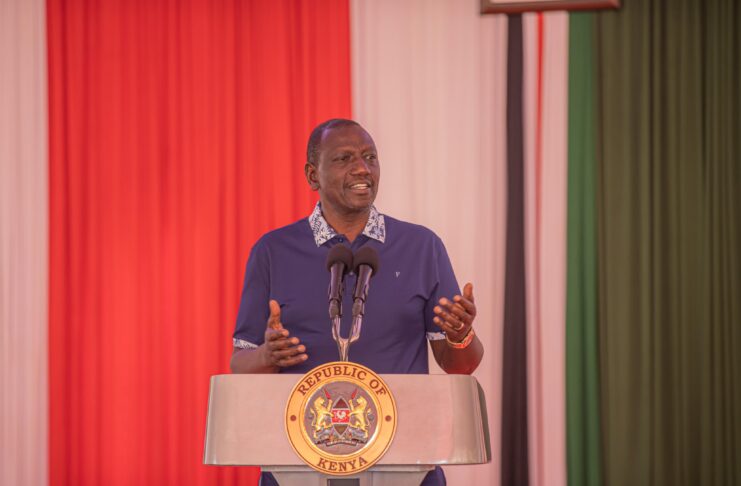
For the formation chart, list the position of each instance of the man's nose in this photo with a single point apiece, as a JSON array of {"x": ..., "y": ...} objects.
[{"x": 360, "y": 166}]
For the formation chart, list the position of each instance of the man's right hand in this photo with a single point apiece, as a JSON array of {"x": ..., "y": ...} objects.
[{"x": 279, "y": 349}]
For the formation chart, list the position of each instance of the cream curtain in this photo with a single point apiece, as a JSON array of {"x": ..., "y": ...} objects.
[
  {"x": 429, "y": 83},
  {"x": 546, "y": 40},
  {"x": 23, "y": 243}
]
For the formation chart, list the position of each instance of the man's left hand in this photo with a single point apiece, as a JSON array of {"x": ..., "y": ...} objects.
[{"x": 456, "y": 317}]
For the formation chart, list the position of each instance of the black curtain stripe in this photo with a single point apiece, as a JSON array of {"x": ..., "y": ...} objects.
[{"x": 514, "y": 449}]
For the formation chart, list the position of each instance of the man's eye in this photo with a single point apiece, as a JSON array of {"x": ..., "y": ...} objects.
[{"x": 371, "y": 157}]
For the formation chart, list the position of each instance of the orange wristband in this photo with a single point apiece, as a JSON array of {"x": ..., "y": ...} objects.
[{"x": 463, "y": 343}]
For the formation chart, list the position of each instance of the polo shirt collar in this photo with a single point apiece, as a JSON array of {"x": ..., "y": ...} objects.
[{"x": 375, "y": 228}]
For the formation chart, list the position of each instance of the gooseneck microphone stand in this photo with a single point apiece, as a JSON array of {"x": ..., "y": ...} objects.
[
  {"x": 339, "y": 262},
  {"x": 365, "y": 265}
]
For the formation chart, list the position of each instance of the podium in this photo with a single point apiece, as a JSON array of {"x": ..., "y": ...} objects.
[{"x": 441, "y": 421}]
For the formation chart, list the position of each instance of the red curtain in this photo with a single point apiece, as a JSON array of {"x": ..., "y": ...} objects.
[{"x": 177, "y": 137}]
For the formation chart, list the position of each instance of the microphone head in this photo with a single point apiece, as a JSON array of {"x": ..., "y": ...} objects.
[
  {"x": 340, "y": 254},
  {"x": 366, "y": 256}
]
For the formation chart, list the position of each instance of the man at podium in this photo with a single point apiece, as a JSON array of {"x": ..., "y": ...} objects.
[{"x": 282, "y": 325}]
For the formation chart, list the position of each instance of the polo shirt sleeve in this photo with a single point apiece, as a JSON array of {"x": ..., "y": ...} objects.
[
  {"x": 254, "y": 306},
  {"x": 444, "y": 285}
]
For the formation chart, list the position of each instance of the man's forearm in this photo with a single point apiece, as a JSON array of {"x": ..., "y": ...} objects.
[
  {"x": 458, "y": 361},
  {"x": 251, "y": 361}
]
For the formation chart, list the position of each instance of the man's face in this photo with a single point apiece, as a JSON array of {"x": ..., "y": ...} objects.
[{"x": 347, "y": 170}]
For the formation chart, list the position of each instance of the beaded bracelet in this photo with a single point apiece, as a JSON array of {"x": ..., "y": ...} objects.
[{"x": 463, "y": 343}]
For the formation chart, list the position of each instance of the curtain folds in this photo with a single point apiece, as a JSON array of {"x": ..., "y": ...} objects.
[
  {"x": 669, "y": 213},
  {"x": 429, "y": 83},
  {"x": 23, "y": 243},
  {"x": 582, "y": 340},
  {"x": 546, "y": 40},
  {"x": 515, "y": 437},
  {"x": 581, "y": 168},
  {"x": 177, "y": 134}
]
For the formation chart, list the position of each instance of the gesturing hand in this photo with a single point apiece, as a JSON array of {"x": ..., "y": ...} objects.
[
  {"x": 456, "y": 318},
  {"x": 280, "y": 350}
]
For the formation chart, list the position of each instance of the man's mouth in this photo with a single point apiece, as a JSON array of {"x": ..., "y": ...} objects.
[{"x": 360, "y": 186}]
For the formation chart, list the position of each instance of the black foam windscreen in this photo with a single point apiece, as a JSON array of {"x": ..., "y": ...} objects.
[
  {"x": 340, "y": 254},
  {"x": 366, "y": 256}
]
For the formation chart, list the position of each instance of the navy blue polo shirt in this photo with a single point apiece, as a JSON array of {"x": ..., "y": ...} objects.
[{"x": 288, "y": 265}]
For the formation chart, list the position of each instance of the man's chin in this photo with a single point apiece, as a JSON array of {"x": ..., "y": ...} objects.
[
  {"x": 358, "y": 208},
  {"x": 361, "y": 202},
  {"x": 353, "y": 205}
]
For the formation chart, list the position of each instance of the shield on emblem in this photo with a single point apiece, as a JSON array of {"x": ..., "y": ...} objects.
[{"x": 340, "y": 416}]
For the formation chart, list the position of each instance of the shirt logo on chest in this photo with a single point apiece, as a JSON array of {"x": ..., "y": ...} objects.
[{"x": 397, "y": 274}]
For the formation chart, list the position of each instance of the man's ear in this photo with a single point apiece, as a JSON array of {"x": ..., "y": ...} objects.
[{"x": 311, "y": 176}]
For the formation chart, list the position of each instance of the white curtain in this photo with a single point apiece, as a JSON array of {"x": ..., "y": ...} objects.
[
  {"x": 546, "y": 39},
  {"x": 429, "y": 83},
  {"x": 23, "y": 243}
]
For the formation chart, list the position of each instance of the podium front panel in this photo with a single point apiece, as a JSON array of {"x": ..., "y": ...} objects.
[{"x": 441, "y": 420}]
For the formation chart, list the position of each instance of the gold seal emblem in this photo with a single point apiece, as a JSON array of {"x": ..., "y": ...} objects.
[{"x": 340, "y": 418}]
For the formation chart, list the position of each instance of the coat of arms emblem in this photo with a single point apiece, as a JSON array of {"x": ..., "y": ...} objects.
[{"x": 340, "y": 418}]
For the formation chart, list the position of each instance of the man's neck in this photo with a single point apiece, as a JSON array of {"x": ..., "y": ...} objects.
[{"x": 348, "y": 224}]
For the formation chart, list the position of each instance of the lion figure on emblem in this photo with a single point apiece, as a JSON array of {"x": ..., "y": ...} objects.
[
  {"x": 358, "y": 415},
  {"x": 322, "y": 415}
]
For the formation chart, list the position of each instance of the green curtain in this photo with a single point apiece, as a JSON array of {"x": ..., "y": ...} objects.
[
  {"x": 669, "y": 271},
  {"x": 582, "y": 365}
]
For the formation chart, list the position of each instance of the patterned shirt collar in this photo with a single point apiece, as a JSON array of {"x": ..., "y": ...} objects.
[{"x": 375, "y": 227}]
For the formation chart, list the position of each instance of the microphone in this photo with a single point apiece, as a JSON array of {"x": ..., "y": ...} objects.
[
  {"x": 366, "y": 265},
  {"x": 339, "y": 261}
]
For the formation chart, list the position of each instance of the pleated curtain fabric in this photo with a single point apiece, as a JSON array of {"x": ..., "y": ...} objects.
[
  {"x": 545, "y": 97},
  {"x": 440, "y": 123},
  {"x": 429, "y": 83},
  {"x": 581, "y": 168},
  {"x": 584, "y": 443},
  {"x": 669, "y": 272},
  {"x": 178, "y": 134},
  {"x": 24, "y": 404},
  {"x": 514, "y": 438}
]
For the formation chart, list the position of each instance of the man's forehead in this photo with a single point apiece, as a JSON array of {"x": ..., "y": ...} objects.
[{"x": 346, "y": 135}]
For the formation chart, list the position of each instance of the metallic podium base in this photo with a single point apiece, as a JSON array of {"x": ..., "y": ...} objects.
[{"x": 377, "y": 476}]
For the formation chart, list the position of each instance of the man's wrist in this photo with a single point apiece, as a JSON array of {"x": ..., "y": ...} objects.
[{"x": 464, "y": 342}]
